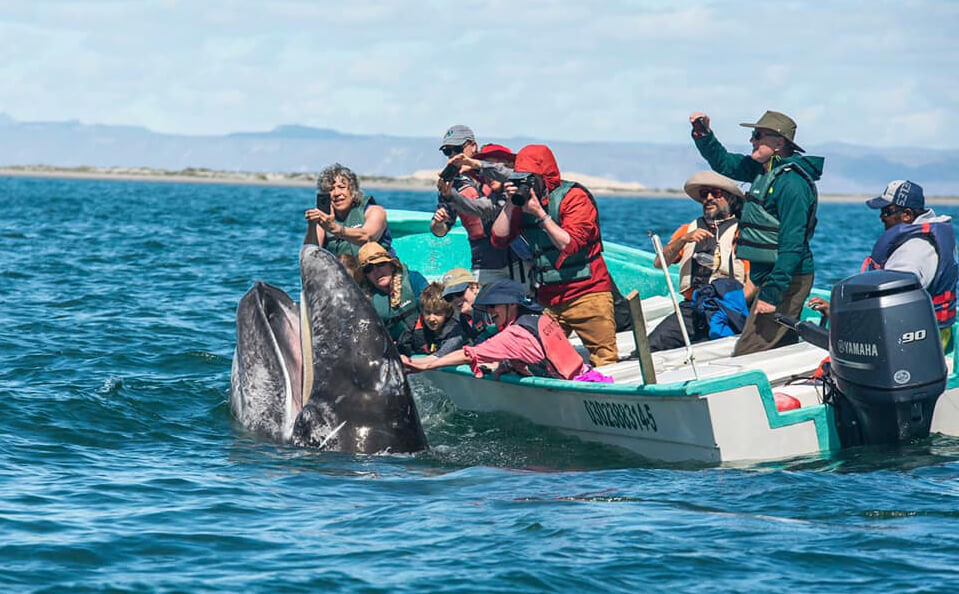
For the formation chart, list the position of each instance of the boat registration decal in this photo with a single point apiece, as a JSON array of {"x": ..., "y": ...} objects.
[{"x": 637, "y": 417}]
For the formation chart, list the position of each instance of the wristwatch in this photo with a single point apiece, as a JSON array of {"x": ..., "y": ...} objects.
[{"x": 542, "y": 221}]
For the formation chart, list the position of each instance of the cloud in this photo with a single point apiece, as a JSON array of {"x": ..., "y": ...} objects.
[{"x": 861, "y": 72}]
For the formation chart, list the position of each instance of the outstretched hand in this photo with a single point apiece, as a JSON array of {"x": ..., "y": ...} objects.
[{"x": 414, "y": 365}]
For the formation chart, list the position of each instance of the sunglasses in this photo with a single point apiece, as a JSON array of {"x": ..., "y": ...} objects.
[
  {"x": 371, "y": 267},
  {"x": 888, "y": 211},
  {"x": 716, "y": 193},
  {"x": 449, "y": 151},
  {"x": 449, "y": 298},
  {"x": 760, "y": 134}
]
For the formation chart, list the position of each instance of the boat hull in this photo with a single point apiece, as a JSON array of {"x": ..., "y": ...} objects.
[
  {"x": 672, "y": 424},
  {"x": 731, "y": 419}
]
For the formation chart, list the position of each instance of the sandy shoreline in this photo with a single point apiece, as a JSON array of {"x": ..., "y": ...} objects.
[{"x": 203, "y": 176}]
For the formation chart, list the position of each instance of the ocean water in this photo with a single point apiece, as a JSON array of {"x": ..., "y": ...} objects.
[{"x": 122, "y": 470}]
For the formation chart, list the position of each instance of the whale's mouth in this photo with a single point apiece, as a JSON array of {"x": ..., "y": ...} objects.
[{"x": 284, "y": 324}]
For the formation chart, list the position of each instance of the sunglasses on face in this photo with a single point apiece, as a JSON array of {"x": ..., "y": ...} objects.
[
  {"x": 371, "y": 267},
  {"x": 449, "y": 298},
  {"x": 715, "y": 192},
  {"x": 888, "y": 211},
  {"x": 449, "y": 151},
  {"x": 760, "y": 134}
]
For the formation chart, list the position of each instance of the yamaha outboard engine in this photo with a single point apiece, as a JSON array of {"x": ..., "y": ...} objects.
[
  {"x": 886, "y": 357},
  {"x": 886, "y": 354}
]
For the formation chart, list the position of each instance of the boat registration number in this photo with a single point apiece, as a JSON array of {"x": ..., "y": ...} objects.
[{"x": 618, "y": 415}]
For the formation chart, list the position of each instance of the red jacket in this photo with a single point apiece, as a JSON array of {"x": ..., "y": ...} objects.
[{"x": 577, "y": 216}]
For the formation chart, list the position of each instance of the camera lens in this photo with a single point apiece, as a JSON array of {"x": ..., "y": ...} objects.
[{"x": 521, "y": 196}]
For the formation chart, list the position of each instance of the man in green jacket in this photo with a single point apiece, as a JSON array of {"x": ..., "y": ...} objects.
[{"x": 777, "y": 221}]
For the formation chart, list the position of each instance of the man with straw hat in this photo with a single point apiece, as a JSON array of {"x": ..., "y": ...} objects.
[
  {"x": 777, "y": 223},
  {"x": 705, "y": 252}
]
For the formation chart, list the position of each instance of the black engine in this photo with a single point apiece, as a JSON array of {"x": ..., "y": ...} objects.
[{"x": 887, "y": 366}]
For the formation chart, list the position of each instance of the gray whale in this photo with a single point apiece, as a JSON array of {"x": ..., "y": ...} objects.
[{"x": 325, "y": 374}]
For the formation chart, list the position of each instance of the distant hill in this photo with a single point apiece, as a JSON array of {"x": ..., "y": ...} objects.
[{"x": 849, "y": 169}]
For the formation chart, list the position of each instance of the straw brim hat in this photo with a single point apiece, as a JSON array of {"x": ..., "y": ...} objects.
[
  {"x": 373, "y": 253},
  {"x": 711, "y": 179}
]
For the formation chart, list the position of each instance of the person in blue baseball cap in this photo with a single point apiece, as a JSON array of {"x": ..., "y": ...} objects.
[
  {"x": 528, "y": 342},
  {"x": 916, "y": 240}
]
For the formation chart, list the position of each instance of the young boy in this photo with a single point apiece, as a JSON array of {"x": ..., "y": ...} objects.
[{"x": 436, "y": 331}]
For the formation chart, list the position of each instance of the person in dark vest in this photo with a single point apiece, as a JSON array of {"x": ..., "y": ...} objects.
[
  {"x": 560, "y": 221},
  {"x": 777, "y": 223},
  {"x": 352, "y": 218},
  {"x": 528, "y": 342},
  {"x": 705, "y": 252},
  {"x": 393, "y": 289},
  {"x": 436, "y": 331},
  {"x": 474, "y": 197},
  {"x": 915, "y": 240}
]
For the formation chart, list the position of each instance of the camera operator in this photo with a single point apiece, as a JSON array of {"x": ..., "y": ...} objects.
[
  {"x": 469, "y": 188},
  {"x": 560, "y": 221}
]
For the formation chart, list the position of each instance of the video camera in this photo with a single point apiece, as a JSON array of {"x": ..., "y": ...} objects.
[{"x": 525, "y": 182}]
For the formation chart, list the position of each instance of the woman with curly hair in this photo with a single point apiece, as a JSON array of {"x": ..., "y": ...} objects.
[
  {"x": 350, "y": 220},
  {"x": 393, "y": 289}
]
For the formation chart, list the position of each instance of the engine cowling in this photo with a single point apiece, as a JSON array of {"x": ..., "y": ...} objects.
[{"x": 886, "y": 357}]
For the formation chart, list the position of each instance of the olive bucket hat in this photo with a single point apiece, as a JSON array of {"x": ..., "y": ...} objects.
[{"x": 779, "y": 123}]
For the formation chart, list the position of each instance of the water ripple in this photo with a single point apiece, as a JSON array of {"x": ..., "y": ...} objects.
[{"x": 121, "y": 468}]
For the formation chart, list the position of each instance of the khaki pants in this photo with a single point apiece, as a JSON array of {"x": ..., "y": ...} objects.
[
  {"x": 591, "y": 316},
  {"x": 762, "y": 332}
]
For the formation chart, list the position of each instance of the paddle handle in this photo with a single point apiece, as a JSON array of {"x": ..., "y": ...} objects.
[
  {"x": 640, "y": 337},
  {"x": 690, "y": 354}
]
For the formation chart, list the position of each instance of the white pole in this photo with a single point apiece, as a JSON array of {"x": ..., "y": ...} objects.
[{"x": 690, "y": 355}]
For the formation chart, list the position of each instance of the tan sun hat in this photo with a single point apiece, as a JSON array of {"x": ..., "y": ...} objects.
[
  {"x": 711, "y": 179},
  {"x": 372, "y": 253},
  {"x": 779, "y": 123}
]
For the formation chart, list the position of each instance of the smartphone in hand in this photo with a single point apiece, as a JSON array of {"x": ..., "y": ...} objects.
[
  {"x": 699, "y": 126},
  {"x": 323, "y": 200}
]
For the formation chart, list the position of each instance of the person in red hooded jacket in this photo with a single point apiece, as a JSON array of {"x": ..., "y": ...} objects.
[{"x": 560, "y": 222}]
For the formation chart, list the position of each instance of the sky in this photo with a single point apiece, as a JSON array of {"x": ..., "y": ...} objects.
[{"x": 874, "y": 73}]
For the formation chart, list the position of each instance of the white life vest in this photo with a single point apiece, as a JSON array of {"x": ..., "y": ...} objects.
[{"x": 727, "y": 259}]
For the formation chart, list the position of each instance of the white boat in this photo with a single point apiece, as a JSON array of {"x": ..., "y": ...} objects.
[{"x": 729, "y": 413}]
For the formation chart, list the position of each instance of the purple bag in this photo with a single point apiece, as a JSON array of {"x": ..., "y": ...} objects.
[{"x": 593, "y": 376}]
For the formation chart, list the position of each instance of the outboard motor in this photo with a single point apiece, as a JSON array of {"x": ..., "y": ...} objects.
[{"x": 886, "y": 357}]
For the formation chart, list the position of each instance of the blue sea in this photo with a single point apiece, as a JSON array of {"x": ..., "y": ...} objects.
[{"x": 121, "y": 468}]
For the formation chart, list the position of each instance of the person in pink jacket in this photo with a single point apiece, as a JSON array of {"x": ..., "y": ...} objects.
[{"x": 527, "y": 342}]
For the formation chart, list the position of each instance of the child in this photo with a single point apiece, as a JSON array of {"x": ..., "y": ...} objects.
[{"x": 436, "y": 331}]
